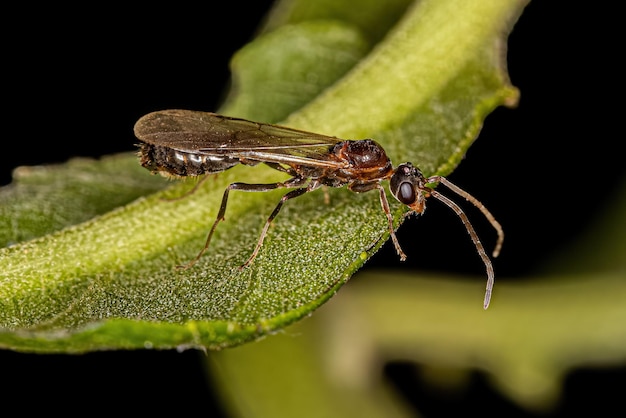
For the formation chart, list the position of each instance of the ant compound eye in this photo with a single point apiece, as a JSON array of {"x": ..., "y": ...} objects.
[{"x": 406, "y": 193}]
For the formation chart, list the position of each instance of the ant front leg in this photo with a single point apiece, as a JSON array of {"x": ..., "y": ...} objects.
[{"x": 385, "y": 205}]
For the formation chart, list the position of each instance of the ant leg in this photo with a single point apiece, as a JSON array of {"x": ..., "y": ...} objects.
[
  {"x": 326, "y": 195},
  {"x": 283, "y": 169},
  {"x": 293, "y": 182},
  {"x": 385, "y": 204},
  {"x": 290, "y": 195}
]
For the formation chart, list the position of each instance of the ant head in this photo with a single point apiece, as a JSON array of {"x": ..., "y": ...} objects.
[{"x": 406, "y": 185}]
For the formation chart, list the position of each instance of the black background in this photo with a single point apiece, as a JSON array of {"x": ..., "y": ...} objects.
[{"x": 76, "y": 80}]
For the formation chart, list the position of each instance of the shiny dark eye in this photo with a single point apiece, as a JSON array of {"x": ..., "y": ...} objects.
[{"x": 406, "y": 193}]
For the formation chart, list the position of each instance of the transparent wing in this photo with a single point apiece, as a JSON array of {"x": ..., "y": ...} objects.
[{"x": 212, "y": 134}]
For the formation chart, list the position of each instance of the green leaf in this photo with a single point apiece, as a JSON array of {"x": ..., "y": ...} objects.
[
  {"x": 265, "y": 94},
  {"x": 373, "y": 18},
  {"x": 110, "y": 282},
  {"x": 45, "y": 199}
]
